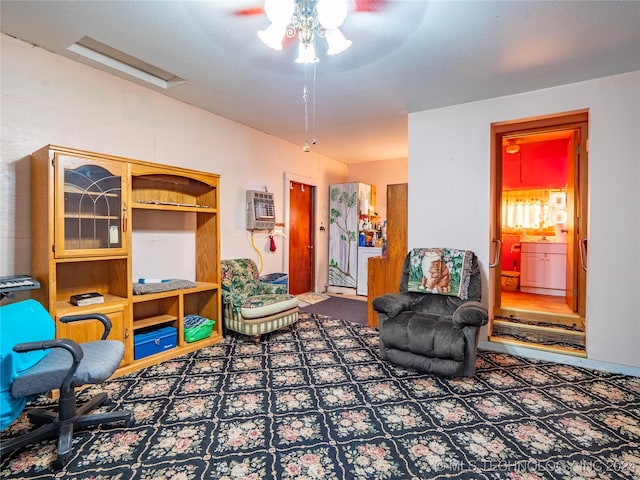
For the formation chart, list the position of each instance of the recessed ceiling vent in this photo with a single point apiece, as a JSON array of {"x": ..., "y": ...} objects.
[{"x": 120, "y": 61}]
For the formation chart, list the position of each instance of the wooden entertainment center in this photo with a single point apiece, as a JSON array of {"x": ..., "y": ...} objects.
[{"x": 83, "y": 205}]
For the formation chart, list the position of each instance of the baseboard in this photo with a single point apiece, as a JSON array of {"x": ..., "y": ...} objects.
[
  {"x": 341, "y": 290},
  {"x": 559, "y": 358}
]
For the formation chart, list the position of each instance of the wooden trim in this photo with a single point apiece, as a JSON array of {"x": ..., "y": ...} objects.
[
  {"x": 542, "y": 121},
  {"x": 571, "y": 120}
]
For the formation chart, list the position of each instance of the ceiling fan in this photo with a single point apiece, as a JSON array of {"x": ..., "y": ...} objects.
[
  {"x": 307, "y": 19},
  {"x": 358, "y": 6}
]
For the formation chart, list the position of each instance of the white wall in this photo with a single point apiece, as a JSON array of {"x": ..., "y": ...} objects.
[
  {"x": 449, "y": 173},
  {"x": 380, "y": 173},
  {"x": 48, "y": 99}
]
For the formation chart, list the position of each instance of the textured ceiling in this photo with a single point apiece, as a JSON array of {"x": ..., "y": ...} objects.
[{"x": 407, "y": 56}]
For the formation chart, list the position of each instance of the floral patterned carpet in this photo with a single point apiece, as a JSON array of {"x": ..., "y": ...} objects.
[{"x": 316, "y": 402}]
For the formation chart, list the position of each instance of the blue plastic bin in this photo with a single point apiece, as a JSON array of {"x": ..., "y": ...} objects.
[
  {"x": 154, "y": 341},
  {"x": 277, "y": 278}
]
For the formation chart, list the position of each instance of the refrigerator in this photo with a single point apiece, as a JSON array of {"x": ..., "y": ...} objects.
[{"x": 349, "y": 206}]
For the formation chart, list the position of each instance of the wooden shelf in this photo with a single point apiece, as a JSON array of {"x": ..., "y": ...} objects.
[
  {"x": 153, "y": 321},
  {"x": 174, "y": 208},
  {"x": 92, "y": 258},
  {"x": 169, "y": 354},
  {"x": 111, "y": 302},
  {"x": 200, "y": 287}
]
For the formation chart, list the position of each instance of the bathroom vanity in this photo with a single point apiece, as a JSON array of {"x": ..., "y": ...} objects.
[{"x": 543, "y": 268}]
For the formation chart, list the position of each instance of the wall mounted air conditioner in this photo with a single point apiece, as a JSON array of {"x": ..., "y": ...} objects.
[{"x": 261, "y": 210}]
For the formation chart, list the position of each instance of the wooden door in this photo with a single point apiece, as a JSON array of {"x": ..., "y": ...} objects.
[
  {"x": 573, "y": 155},
  {"x": 577, "y": 211},
  {"x": 91, "y": 330},
  {"x": 384, "y": 272},
  {"x": 301, "y": 246}
]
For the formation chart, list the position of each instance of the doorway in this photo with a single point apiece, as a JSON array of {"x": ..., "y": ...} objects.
[
  {"x": 539, "y": 224},
  {"x": 301, "y": 238}
]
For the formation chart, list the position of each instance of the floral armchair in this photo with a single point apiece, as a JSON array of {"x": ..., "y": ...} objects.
[{"x": 252, "y": 307}]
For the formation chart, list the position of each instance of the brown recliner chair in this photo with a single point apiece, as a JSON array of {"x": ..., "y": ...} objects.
[{"x": 433, "y": 323}]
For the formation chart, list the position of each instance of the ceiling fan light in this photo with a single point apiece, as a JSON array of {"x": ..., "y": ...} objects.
[
  {"x": 307, "y": 53},
  {"x": 331, "y": 13},
  {"x": 273, "y": 35},
  {"x": 337, "y": 42},
  {"x": 279, "y": 11}
]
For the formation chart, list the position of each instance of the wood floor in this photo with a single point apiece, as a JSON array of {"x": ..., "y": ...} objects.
[{"x": 538, "y": 303}]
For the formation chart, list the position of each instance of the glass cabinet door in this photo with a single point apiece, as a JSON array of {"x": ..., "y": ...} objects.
[{"x": 91, "y": 207}]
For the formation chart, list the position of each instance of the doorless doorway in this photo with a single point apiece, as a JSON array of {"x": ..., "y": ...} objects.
[{"x": 539, "y": 224}]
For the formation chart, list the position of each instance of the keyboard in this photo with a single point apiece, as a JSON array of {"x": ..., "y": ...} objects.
[{"x": 14, "y": 283}]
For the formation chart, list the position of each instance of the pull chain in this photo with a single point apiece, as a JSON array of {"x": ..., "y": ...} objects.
[
  {"x": 313, "y": 120},
  {"x": 305, "y": 91},
  {"x": 305, "y": 97}
]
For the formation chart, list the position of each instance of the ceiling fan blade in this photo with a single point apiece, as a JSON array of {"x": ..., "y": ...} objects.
[
  {"x": 244, "y": 12},
  {"x": 360, "y": 6},
  {"x": 370, "y": 5}
]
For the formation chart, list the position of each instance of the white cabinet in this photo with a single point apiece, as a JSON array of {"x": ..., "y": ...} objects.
[
  {"x": 543, "y": 268},
  {"x": 364, "y": 253}
]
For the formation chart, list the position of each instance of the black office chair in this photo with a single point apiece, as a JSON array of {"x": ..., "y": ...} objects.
[{"x": 32, "y": 362}]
